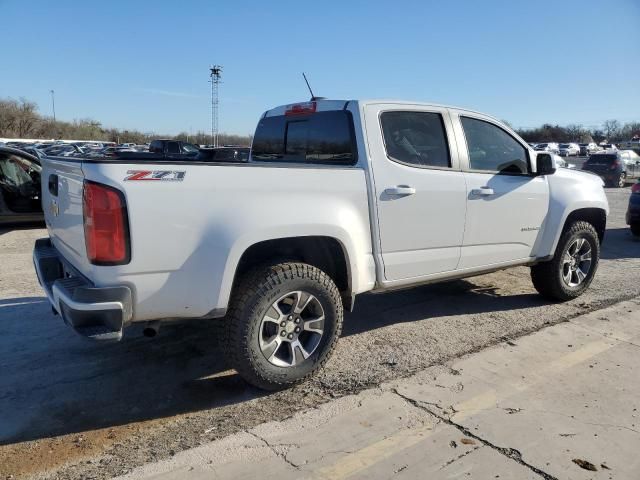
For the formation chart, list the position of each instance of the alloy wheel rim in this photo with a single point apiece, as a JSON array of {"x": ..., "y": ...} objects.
[
  {"x": 576, "y": 263},
  {"x": 291, "y": 329}
]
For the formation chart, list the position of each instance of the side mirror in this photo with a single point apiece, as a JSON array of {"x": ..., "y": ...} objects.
[{"x": 545, "y": 164}]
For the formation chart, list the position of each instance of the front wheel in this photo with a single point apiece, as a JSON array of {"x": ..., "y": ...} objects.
[
  {"x": 283, "y": 324},
  {"x": 573, "y": 266},
  {"x": 635, "y": 229}
]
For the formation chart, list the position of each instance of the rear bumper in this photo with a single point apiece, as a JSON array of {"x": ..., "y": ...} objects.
[{"x": 99, "y": 313}]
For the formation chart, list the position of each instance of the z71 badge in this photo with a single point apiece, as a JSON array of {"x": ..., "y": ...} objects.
[{"x": 160, "y": 175}]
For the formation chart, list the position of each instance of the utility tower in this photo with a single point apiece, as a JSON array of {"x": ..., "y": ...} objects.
[{"x": 215, "y": 74}]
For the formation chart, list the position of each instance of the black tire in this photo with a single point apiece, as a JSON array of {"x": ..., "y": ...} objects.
[
  {"x": 635, "y": 229},
  {"x": 253, "y": 298},
  {"x": 547, "y": 277}
]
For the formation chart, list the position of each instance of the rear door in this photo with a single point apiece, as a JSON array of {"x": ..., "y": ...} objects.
[
  {"x": 419, "y": 190},
  {"x": 506, "y": 205}
]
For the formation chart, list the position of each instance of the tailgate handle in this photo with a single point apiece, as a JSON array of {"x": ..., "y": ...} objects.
[{"x": 53, "y": 185}]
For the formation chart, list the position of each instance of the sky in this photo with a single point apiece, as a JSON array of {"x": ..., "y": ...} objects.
[{"x": 144, "y": 64}]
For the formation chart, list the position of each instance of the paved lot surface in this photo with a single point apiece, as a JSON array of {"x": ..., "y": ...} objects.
[
  {"x": 72, "y": 409},
  {"x": 559, "y": 403}
]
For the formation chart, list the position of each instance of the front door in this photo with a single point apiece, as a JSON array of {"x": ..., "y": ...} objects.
[
  {"x": 20, "y": 184},
  {"x": 506, "y": 205},
  {"x": 420, "y": 191}
]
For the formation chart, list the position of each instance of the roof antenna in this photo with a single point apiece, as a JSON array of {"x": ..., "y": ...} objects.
[{"x": 313, "y": 97}]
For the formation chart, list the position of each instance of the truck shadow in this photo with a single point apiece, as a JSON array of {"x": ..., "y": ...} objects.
[
  {"x": 56, "y": 383},
  {"x": 10, "y": 227},
  {"x": 620, "y": 243}
]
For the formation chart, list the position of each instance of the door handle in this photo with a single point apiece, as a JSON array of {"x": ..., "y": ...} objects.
[
  {"x": 482, "y": 191},
  {"x": 400, "y": 190}
]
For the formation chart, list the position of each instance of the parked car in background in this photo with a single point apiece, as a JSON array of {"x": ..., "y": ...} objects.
[
  {"x": 587, "y": 149},
  {"x": 560, "y": 162},
  {"x": 633, "y": 210},
  {"x": 608, "y": 146},
  {"x": 547, "y": 147},
  {"x": 109, "y": 151},
  {"x": 20, "y": 196},
  {"x": 633, "y": 144},
  {"x": 64, "y": 150},
  {"x": 614, "y": 167},
  {"x": 225, "y": 154},
  {"x": 36, "y": 152},
  {"x": 172, "y": 147},
  {"x": 568, "y": 149}
]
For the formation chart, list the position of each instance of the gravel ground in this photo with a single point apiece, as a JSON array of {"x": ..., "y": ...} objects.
[{"x": 73, "y": 409}]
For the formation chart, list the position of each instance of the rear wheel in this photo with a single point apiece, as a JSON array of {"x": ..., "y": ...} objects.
[
  {"x": 283, "y": 324},
  {"x": 635, "y": 229},
  {"x": 573, "y": 266},
  {"x": 622, "y": 181}
]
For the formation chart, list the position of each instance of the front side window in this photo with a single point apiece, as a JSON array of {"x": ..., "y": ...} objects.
[
  {"x": 492, "y": 149},
  {"x": 173, "y": 147},
  {"x": 416, "y": 138}
]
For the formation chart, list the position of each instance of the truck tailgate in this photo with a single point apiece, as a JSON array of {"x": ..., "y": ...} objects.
[{"x": 62, "y": 183}]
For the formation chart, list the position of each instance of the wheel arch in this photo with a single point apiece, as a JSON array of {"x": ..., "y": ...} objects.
[
  {"x": 595, "y": 216},
  {"x": 555, "y": 227},
  {"x": 327, "y": 253}
]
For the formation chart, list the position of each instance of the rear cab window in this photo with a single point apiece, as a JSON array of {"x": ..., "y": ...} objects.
[{"x": 325, "y": 137}]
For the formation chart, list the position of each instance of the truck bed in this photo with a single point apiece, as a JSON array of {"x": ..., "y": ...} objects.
[{"x": 190, "y": 221}]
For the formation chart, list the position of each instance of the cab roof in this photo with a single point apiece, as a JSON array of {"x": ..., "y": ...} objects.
[{"x": 323, "y": 105}]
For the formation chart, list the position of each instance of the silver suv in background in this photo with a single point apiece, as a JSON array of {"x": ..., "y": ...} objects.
[{"x": 569, "y": 150}]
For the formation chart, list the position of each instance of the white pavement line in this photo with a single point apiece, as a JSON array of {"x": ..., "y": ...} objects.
[{"x": 374, "y": 453}]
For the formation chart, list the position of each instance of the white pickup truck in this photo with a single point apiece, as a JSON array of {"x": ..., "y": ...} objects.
[{"x": 338, "y": 198}]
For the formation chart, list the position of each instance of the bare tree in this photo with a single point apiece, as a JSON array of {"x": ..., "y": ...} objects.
[
  {"x": 575, "y": 132},
  {"x": 611, "y": 129}
]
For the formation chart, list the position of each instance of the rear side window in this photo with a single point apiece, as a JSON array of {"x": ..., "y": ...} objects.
[
  {"x": 321, "y": 137},
  {"x": 416, "y": 138},
  {"x": 492, "y": 149}
]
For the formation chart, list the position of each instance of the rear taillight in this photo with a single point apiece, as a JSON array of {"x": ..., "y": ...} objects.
[
  {"x": 635, "y": 188},
  {"x": 106, "y": 227}
]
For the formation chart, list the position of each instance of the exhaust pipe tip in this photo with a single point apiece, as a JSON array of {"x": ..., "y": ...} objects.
[{"x": 151, "y": 329}]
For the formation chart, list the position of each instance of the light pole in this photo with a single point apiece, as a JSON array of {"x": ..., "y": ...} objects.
[
  {"x": 53, "y": 104},
  {"x": 215, "y": 73}
]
